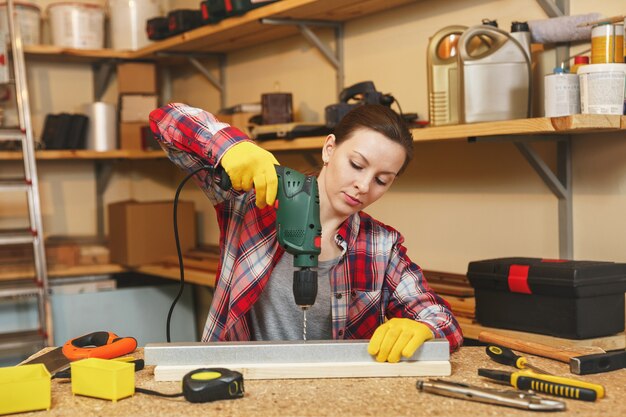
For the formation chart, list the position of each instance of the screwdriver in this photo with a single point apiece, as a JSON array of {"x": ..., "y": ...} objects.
[{"x": 505, "y": 356}]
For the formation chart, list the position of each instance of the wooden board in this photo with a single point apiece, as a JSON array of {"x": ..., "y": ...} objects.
[
  {"x": 578, "y": 123},
  {"x": 60, "y": 272},
  {"x": 173, "y": 272},
  {"x": 471, "y": 330},
  {"x": 317, "y": 370}
]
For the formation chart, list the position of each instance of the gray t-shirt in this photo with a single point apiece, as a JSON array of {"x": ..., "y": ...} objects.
[{"x": 275, "y": 315}]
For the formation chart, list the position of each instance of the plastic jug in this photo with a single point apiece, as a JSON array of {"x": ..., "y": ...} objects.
[
  {"x": 443, "y": 87},
  {"x": 495, "y": 78}
]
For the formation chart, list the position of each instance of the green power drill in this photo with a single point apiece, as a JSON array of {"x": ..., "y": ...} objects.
[{"x": 299, "y": 230}]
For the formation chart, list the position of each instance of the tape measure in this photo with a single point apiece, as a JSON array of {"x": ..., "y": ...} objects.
[{"x": 212, "y": 384}]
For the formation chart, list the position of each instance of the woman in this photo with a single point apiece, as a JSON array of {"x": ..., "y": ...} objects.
[{"x": 368, "y": 287}]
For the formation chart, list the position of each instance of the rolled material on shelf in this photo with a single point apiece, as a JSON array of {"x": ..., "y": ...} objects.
[
  {"x": 562, "y": 29},
  {"x": 102, "y": 131}
]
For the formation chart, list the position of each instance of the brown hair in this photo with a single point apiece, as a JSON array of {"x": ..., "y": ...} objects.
[{"x": 380, "y": 119}]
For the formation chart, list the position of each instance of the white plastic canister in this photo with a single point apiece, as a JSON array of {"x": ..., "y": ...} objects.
[
  {"x": 561, "y": 94},
  {"x": 128, "y": 22},
  {"x": 77, "y": 25},
  {"x": 602, "y": 88},
  {"x": 28, "y": 20}
]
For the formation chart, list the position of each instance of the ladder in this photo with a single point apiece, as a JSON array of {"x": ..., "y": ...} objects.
[{"x": 19, "y": 289}]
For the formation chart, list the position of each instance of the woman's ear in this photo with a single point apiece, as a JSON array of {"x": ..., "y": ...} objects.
[{"x": 328, "y": 148}]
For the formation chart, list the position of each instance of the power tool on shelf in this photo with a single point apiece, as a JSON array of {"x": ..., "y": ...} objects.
[{"x": 298, "y": 228}]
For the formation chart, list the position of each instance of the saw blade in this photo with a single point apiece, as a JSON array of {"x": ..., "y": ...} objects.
[{"x": 54, "y": 361}]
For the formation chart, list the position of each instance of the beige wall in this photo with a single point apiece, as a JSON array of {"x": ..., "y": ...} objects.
[{"x": 458, "y": 202}]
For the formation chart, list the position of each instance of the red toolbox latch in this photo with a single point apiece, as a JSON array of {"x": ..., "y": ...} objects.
[{"x": 518, "y": 279}]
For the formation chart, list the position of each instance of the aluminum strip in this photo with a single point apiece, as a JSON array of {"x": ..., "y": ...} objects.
[{"x": 241, "y": 353}]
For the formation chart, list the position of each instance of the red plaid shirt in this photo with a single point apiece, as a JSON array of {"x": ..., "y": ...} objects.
[{"x": 373, "y": 280}]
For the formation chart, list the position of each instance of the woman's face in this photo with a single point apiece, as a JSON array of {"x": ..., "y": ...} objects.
[{"x": 359, "y": 170}]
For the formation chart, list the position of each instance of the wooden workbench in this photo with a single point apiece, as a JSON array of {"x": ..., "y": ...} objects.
[{"x": 338, "y": 397}]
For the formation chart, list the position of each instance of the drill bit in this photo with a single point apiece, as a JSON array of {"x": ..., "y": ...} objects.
[{"x": 304, "y": 324}]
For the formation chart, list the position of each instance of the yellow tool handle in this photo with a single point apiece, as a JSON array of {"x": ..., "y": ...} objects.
[{"x": 518, "y": 379}]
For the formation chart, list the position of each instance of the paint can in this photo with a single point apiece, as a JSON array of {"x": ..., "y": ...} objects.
[
  {"x": 602, "y": 88},
  {"x": 128, "y": 22},
  {"x": 77, "y": 25},
  {"x": 607, "y": 43},
  {"x": 561, "y": 94},
  {"x": 28, "y": 19}
]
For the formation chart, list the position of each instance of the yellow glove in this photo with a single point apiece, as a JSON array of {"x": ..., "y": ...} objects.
[
  {"x": 398, "y": 336},
  {"x": 247, "y": 164}
]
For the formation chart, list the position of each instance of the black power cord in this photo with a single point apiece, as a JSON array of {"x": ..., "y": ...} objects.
[
  {"x": 178, "y": 250},
  {"x": 157, "y": 393}
]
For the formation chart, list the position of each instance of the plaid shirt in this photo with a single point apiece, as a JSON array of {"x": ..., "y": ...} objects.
[{"x": 373, "y": 280}]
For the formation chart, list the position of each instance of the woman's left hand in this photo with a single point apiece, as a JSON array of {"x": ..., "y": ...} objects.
[{"x": 398, "y": 336}]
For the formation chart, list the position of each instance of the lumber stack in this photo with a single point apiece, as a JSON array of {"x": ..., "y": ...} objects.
[{"x": 456, "y": 290}]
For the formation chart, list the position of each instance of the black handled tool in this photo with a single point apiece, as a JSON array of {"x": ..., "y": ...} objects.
[
  {"x": 548, "y": 384},
  {"x": 506, "y": 356}
]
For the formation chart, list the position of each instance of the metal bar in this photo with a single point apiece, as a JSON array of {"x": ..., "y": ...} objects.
[
  {"x": 566, "y": 215},
  {"x": 293, "y": 22},
  {"x": 241, "y": 353},
  {"x": 166, "y": 84},
  {"x": 15, "y": 237},
  {"x": 102, "y": 75},
  {"x": 17, "y": 184},
  {"x": 206, "y": 73},
  {"x": 336, "y": 59},
  {"x": 563, "y": 50},
  {"x": 315, "y": 41},
  {"x": 339, "y": 36},
  {"x": 30, "y": 171},
  {"x": 104, "y": 171},
  {"x": 551, "y": 8},
  {"x": 11, "y": 135},
  {"x": 546, "y": 174}
]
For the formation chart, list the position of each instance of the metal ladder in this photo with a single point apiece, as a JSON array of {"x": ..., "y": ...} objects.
[{"x": 19, "y": 289}]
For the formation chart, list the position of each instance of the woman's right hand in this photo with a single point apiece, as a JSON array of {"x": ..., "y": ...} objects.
[{"x": 249, "y": 165}]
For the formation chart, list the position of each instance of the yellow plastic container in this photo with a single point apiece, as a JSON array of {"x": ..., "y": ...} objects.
[
  {"x": 102, "y": 378},
  {"x": 24, "y": 388}
]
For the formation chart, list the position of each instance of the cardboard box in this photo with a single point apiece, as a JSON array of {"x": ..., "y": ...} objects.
[
  {"x": 137, "y": 107},
  {"x": 131, "y": 135},
  {"x": 136, "y": 77},
  {"x": 141, "y": 233}
]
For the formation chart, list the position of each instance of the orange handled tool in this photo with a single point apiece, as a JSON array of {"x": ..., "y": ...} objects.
[{"x": 103, "y": 345}]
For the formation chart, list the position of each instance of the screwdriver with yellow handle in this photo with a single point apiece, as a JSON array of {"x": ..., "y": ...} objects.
[
  {"x": 548, "y": 384},
  {"x": 505, "y": 356}
]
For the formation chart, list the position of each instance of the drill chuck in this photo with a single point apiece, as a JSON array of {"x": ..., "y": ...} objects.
[{"x": 305, "y": 287}]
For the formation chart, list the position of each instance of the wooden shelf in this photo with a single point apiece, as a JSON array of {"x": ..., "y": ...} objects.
[
  {"x": 63, "y": 271},
  {"x": 230, "y": 34},
  {"x": 247, "y": 30},
  {"x": 51, "y": 53},
  {"x": 86, "y": 155},
  {"x": 576, "y": 124},
  {"x": 173, "y": 272}
]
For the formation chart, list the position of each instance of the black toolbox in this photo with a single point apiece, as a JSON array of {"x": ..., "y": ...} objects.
[{"x": 569, "y": 299}]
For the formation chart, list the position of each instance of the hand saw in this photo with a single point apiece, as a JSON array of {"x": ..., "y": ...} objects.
[{"x": 103, "y": 345}]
